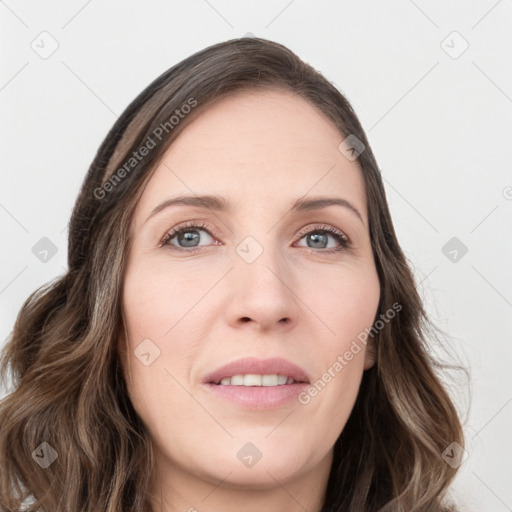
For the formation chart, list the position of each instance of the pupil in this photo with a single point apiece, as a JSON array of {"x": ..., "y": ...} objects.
[
  {"x": 316, "y": 238},
  {"x": 189, "y": 237}
]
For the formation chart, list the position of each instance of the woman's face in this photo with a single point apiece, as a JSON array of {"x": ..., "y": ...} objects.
[{"x": 254, "y": 279}]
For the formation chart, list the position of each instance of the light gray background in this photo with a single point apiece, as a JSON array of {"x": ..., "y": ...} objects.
[{"x": 439, "y": 122}]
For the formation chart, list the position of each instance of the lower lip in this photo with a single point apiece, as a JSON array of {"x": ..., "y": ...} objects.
[{"x": 258, "y": 397}]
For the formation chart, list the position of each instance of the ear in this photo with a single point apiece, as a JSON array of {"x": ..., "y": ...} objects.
[{"x": 370, "y": 355}]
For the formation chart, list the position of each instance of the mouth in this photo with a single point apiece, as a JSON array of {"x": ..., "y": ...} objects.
[
  {"x": 253, "y": 379},
  {"x": 257, "y": 384}
]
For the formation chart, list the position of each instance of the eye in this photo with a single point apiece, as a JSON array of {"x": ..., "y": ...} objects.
[
  {"x": 319, "y": 238},
  {"x": 187, "y": 236}
]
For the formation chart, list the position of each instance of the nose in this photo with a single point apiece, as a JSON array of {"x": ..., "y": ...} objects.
[{"x": 263, "y": 292}]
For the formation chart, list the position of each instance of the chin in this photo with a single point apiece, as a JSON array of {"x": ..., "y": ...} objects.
[{"x": 260, "y": 477}]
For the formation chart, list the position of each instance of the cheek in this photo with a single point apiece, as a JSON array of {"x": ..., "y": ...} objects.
[
  {"x": 347, "y": 302},
  {"x": 157, "y": 296},
  {"x": 158, "y": 310},
  {"x": 331, "y": 396},
  {"x": 348, "y": 310}
]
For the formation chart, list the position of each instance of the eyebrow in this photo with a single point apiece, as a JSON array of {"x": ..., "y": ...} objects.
[{"x": 219, "y": 203}]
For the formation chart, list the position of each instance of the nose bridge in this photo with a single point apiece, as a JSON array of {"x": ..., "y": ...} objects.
[
  {"x": 260, "y": 246},
  {"x": 262, "y": 279},
  {"x": 256, "y": 233},
  {"x": 261, "y": 259}
]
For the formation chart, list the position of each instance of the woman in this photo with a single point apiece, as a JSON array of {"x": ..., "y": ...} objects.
[{"x": 238, "y": 326}]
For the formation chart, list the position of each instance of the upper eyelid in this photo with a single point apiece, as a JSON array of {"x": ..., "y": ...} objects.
[{"x": 322, "y": 226}]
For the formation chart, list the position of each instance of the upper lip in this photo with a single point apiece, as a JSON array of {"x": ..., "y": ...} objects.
[{"x": 253, "y": 365}]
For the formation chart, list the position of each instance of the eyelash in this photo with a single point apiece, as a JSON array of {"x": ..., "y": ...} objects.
[{"x": 340, "y": 237}]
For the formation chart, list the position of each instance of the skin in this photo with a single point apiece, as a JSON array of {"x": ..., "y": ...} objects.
[{"x": 203, "y": 309}]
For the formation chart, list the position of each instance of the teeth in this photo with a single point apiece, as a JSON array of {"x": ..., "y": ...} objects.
[
  {"x": 281, "y": 379},
  {"x": 237, "y": 380},
  {"x": 269, "y": 380},
  {"x": 252, "y": 379}
]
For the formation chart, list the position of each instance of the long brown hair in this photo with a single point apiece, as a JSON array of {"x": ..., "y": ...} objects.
[{"x": 69, "y": 397}]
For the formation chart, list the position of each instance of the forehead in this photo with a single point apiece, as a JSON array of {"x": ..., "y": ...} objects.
[{"x": 264, "y": 146}]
